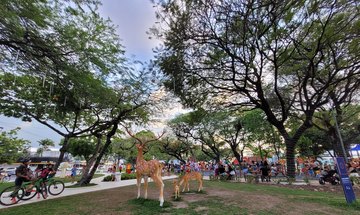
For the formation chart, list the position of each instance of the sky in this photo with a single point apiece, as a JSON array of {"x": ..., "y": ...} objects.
[{"x": 132, "y": 18}]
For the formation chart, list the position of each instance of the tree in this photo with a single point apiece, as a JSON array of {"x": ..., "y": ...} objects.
[
  {"x": 200, "y": 128},
  {"x": 63, "y": 61},
  {"x": 177, "y": 148},
  {"x": 44, "y": 145},
  {"x": 88, "y": 148},
  {"x": 324, "y": 137},
  {"x": 11, "y": 147},
  {"x": 260, "y": 134},
  {"x": 286, "y": 58},
  {"x": 124, "y": 148}
]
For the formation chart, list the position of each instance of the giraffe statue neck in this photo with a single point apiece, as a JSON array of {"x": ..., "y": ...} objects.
[{"x": 140, "y": 156}]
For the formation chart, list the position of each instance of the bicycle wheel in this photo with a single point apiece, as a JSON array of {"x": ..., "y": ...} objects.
[
  {"x": 56, "y": 187},
  {"x": 11, "y": 195},
  {"x": 29, "y": 193}
]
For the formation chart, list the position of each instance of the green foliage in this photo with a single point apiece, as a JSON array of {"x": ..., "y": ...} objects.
[
  {"x": 64, "y": 56},
  {"x": 11, "y": 147},
  {"x": 287, "y": 58},
  {"x": 108, "y": 178},
  {"x": 126, "y": 176},
  {"x": 44, "y": 145},
  {"x": 83, "y": 147}
]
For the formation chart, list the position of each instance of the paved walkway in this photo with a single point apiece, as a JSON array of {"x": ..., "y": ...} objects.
[{"x": 73, "y": 191}]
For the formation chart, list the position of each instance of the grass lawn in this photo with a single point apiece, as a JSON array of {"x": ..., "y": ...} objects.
[{"x": 217, "y": 198}]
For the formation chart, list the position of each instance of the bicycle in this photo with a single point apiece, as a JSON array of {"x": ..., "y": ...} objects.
[
  {"x": 37, "y": 187},
  {"x": 54, "y": 187},
  {"x": 11, "y": 195}
]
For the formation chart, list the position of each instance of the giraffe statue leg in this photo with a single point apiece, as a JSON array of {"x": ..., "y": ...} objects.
[
  {"x": 145, "y": 186},
  {"x": 138, "y": 184},
  {"x": 200, "y": 185},
  {"x": 160, "y": 184}
]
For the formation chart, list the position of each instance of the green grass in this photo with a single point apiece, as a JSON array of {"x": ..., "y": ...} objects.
[
  {"x": 328, "y": 199},
  {"x": 102, "y": 203}
]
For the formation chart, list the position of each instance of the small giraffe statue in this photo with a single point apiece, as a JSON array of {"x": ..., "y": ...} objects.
[{"x": 151, "y": 168}]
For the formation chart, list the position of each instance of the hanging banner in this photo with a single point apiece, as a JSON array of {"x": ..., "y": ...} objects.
[{"x": 345, "y": 180}]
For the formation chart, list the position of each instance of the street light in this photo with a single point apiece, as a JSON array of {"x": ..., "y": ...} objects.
[{"x": 340, "y": 138}]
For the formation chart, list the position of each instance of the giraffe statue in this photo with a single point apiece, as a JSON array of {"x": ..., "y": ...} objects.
[{"x": 146, "y": 169}]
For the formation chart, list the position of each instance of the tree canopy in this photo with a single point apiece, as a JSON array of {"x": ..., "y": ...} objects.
[{"x": 287, "y": 58}]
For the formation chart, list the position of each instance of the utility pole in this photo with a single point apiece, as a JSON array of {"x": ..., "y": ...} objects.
[{"x": 340, "y": 138}]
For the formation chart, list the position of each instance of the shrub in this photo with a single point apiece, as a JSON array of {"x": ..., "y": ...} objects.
[
  {"x": 108, "y": 178},
  {"x": 126, "y": 176}
]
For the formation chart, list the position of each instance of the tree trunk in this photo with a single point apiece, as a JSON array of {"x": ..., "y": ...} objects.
[
  {"x": 86, "y": 179},
  {"x": 235, "y": 152},
  {"x": 260, "y": 152},
  {"x": 63, "y": 150},
  {"x": 290, "y": 158},
  {"x": 92, "y": 159}
]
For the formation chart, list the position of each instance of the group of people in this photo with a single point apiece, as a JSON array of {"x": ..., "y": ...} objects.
[
  {"x": 312, "y": 168},
  {"x": 25, "y": 174}
]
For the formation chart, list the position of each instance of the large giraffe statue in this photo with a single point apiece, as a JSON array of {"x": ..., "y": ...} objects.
[{"x": 144, "y": 169}]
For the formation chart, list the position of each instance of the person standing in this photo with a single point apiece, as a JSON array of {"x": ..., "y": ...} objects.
[
  {"x": 73, "y": 173},
  {"x": 265, "y": 172},
  {"x": 113, "y": 171}
]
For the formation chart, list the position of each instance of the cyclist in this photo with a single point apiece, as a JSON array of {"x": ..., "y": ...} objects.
[
  {"x": 47, "y": 172},
  {"x": 23, "y": 173}
]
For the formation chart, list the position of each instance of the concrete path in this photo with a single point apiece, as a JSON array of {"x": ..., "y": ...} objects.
[{"x": 73, "y": 191}]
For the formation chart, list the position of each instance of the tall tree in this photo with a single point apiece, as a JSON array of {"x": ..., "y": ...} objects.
[
  {"x": 199, "y": 127},
  {"x": 177, "y": 148},
  {"x": 62, "y": 53},
  {"x": 44, "y": 145},
  {"x": 283, "y": 57}
]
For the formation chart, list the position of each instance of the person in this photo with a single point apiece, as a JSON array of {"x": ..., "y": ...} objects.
[
  {"x": 23, "y": 173},
  {"x": 47, "y": 172},
  {"x": 73, "y": 173},
  {"x": 38, "y": 170},
  {"x": 128, "y": 168},
  {"x": 113, "y": 171},
  {"x": 230, "y": 172},
  {"x": 221, "y": 170},
  {"x": 351, "y": 169},
  {"x": 265, "y": 172}
]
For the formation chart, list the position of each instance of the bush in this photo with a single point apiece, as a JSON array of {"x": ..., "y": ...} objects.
[
  {"x": 108, "y": 178},
  {"x": 126, "y": 176}
]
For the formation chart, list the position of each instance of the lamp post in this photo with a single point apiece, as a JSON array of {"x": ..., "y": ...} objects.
[{"x": 340, "y": 138}]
